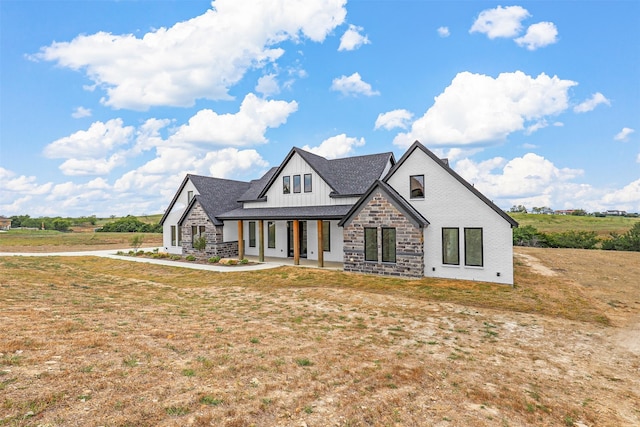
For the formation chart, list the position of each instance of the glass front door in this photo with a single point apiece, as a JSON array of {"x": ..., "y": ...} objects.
[{"x": 302, "y": 235}]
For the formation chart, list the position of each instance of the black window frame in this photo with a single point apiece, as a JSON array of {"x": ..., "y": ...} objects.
[
  {"x": 326, "y": 236},
  {"x": 388, "y": 249},
  {"x": 297, "y": 187},
  {"x": 444, "y": 248},
  {"x": 467, "y": 245},
  {"x": 415, "y": 178},
  {"x": 310, "y": 187},
  {"x": 372, "y": 232},
  {"x": 271, "y": 234},
  {"x": 286, "y": 184},
  {"x": 174, "y": 235},
  {"x": 252, "y": 234},
  {"x": 189, "y": 196}
]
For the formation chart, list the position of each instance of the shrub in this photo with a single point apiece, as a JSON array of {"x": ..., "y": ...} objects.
[
  {"x": 175, "y": 257},
  {"x": 629, "y": 241},
  {"x": 200, "y": 243},
  {"x": 214, "y": 259},
  {"x": 529, "y": 236},
  {"x": 232, "y": 262},
  {"x": 573, "y": 239},
  {"x": 136, "y": 241},
  {"x": 244, "y": 261},
  {"x": 190, "y": 258}
]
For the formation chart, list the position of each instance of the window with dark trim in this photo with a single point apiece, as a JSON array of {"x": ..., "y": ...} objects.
[
  {"x": 196, "y": 232},
  {"x": 473, "y": 247},
  {"x": 388, "y": 245},
  {"x": 252, "y": 234},
  {"x": 307, "y": 183},
  {"x": 179, "y": 236},
  {"x": 296, "y": 183},
  {"x": 451, "y": 246},
  {"x": 286, "y": 184},
  {"x": 271, "y": 230},
  {"x": 416, "y": 186},
  {"x": 326, "y": 236},
  {"x": 370, "y": 244},
  {"x": 189, "y": 196},
  {"x": 173, "y": 235}
]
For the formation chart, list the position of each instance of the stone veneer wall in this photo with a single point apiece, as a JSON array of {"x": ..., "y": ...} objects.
[
  {"x": 213, "y": 234},
  {"x": 380, "y": 212}
]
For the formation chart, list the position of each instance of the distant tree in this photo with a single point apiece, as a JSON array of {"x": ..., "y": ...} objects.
[
  {"x": 518, "y": 209},
  {"x": 529, "y": 236},
  {"x": 573, "y": 239},
  {"x": 579, "y": 212},
  {"x": 130, "y": 224},
  {"x": 60, "y": 224},
  {"x": 629, "y": 241}
]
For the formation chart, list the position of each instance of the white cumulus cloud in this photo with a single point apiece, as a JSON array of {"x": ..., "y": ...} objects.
[
  {"x": 352, "y": 39},
  {"x": 500, "y": 22},
  {"x": 199, "y": 58},
  {"x": 478, "y": 108},
  {"x": 81, "y": 112},
  {"x": 246, "y": 127},
  {"x": 539, "y": 35},
  {"x": 443, "y": 31},
  {"x": 96, "y": 141},
  {"x": 268, "y": 85},
  {"x": 591, "y": 103},
  {"x": 623, "y": 135},
  {"x": 230, "y": 162},
  {"x": 393, "y": 119},
  {"x": 336, "y": 147},
  {"x": 353, "y": 85}
]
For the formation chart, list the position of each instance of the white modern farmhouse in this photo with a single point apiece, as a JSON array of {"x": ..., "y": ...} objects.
[{"x": 415, "y": 217}]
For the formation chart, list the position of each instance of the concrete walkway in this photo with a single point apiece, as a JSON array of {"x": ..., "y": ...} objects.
[{"x": 111, "y": 253}]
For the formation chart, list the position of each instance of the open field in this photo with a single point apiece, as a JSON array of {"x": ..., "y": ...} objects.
[
  {"x": 56, "y": 241},
  {"x": 603, "y": 226},
  {"x": 89, "y": 341}
]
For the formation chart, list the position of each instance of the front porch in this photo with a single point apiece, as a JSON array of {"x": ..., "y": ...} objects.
[{"x": 302, "y": 262}]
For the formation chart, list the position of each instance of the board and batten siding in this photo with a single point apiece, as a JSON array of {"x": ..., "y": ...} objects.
[
  {"x": 174, "y": 215},
  {"x": 448, "y": 203},
  {"x": 319, "y": 196}
]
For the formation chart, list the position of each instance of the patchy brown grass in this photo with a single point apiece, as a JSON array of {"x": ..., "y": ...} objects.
[
  {"x": 83, "y": 240},
  {"x": 88, "y": 341}
]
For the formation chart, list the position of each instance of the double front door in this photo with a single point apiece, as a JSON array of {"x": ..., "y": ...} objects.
[{"x": 302, "y": 238}]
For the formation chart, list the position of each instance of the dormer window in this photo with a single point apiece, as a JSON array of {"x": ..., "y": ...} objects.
[
  {"x": 307, "y": 183},
  {"x": 286, "y": 184},
  {"x": 189, "y": 196},
  {"x": 416, "y": 186}
]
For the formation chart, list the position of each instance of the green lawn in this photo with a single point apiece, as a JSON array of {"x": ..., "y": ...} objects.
[{"x": 559, "y": 223}]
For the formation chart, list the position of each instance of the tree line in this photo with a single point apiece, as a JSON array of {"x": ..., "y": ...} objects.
[
  {"x": 530, "y": 236},
  {"x": 51, "y": 223}
]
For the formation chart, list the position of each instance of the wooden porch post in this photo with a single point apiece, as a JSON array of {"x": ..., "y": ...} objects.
[
  {"x": 261, "y": 240},
  {"x": 320, "y": 244},
  {"x": 240, "y": 240},
  {"x": 296, "y": 242}
]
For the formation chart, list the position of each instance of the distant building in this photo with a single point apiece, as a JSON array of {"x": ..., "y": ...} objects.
[
  {"x": 5, "y": 223},
  {"x": 615, "y": 213},
  {"x": 565, "y": 211}
]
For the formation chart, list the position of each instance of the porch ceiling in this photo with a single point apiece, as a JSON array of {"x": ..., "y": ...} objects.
[{"x": 288, "y": 213}]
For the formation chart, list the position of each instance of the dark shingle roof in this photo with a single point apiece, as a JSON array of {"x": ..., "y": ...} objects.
[
  {"x": 218, "y": 195},
  {"x": 349, "y": 176},
  {"x": 257, "y": 185},
  {"x": 296, "y": 212}
]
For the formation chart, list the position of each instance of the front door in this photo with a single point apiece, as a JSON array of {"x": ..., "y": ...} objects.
[{"x": 302, "y": 237}]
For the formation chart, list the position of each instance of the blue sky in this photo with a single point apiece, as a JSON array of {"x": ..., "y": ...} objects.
[{"x": 106, "y": 105}]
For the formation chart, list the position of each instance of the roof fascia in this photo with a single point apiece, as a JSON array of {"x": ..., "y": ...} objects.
[
  {"x": 461, "y": 180},
  {"x": 398, "y": 201},
  {"x": 175, "y": 199}
]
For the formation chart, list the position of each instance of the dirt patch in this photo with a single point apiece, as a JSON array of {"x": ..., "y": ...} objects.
[
  {"x": 105, "y": 342},
  {"x": 534, "y": 264}
]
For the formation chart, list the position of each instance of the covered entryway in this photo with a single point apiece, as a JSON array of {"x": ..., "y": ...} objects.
[{"x": 301, "y": 238}]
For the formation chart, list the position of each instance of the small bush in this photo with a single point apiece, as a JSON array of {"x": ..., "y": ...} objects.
[
  {"x": 190, "y": 258},
  {"x": 214, "y": 260},
  {"x": 175, "y": 257},
  {"x": 244, "y": 261},
  {"x": 232, "y": 262}
]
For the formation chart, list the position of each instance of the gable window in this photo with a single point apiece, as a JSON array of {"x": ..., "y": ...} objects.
[
  {"x": 286, "y": 184},
  {"x": 450, "y": 246},
  {"x": 189, "y": 196},
  {"x": 388, "y": 245},
  {"x": 326, "y": 236},
  {"x": 370, "y": 244},
  {"x": 271, "y": 229},
  {"x": 473, "y": 247},
  {"x": 416, "y": 186},
  {"x": 296, "y": 183},
  {"x": 252, "y": 234},
  {"x": 307, "y": 183}
]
